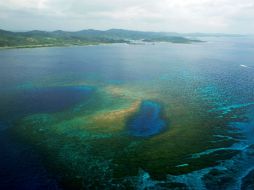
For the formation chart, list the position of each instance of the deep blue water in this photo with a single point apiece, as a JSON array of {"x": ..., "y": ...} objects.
[
  {"x": 43, "y": 100},
  {"x": 21, "y": 168},
  {"x": 147, "y": 121}
]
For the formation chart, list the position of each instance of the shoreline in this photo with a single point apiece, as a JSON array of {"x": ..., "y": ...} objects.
[
  {"x": 51, "y": 45},
  {"x": 89, "y": 44}
]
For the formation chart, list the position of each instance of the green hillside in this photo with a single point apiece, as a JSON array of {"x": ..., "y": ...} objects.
[{"x": 38, "y": 38}]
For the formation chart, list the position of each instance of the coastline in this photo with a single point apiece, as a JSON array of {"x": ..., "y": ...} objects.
[
  {"x": 51, "y": 45},
  {"x": 89, "y": 44}
]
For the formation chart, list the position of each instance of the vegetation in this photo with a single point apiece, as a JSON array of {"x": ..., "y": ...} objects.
[{"x": 84, "y": 37}]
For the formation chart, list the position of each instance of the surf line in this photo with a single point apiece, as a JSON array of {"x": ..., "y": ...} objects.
[{"x": 245, "y": 66}]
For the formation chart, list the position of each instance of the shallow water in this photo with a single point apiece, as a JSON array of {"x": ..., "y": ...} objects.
[{"x": 89, "y": 109}]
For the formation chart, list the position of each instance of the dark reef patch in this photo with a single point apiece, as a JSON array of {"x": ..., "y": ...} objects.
[{"x": 248, "y": 181}]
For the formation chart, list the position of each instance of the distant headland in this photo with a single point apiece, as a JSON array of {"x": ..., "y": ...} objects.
[{"x": 37, "y": 38}]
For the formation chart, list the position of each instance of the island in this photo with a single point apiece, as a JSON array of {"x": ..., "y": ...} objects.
[{"x": 37, "y": 38}]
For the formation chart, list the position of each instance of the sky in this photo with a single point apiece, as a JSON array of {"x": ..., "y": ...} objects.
[{"x": 208, "y": 16}]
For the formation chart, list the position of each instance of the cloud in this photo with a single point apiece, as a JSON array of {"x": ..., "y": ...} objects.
[{"x": 232, "y": 16}]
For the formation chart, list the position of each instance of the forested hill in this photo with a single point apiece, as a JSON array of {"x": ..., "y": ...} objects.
[{"x": 38, "y": 38}]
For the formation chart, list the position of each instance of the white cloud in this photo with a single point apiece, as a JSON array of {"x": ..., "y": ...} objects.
[{"x": 233, "y": 16}]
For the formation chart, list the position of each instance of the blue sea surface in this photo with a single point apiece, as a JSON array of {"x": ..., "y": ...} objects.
[
  {"x": 51, "y": 99},
  {"x": 43, "y": 100}
]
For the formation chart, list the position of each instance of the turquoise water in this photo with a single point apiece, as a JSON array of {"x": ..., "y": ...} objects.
[{"x": 195, "y": 106}]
